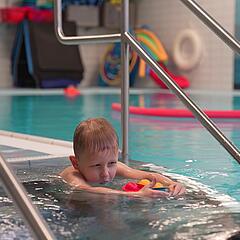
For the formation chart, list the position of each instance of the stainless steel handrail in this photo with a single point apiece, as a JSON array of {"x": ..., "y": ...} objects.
[
  {"x": 76, "y": 40},
  {"x": 32, "y": 217},
  {"x": 125, "y": 80},
  {"x": 210, "y": 22},
  {"x": 127, "y": 39},
  {"x": 197, "y": 112}
]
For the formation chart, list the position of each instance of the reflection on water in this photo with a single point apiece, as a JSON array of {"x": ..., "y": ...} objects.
[{"x": 81, "y": 215}]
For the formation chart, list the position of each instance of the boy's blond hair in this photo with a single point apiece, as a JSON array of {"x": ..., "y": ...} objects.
[{"x": 94, "y": 135}]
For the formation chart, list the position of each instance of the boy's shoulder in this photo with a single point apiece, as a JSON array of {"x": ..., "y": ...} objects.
[
  {"x": 69, "y": 173},
  {"x": 67, "y": 170}
]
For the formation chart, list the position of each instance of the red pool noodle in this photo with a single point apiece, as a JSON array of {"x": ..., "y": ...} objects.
[{"x": 180, "y": 113}]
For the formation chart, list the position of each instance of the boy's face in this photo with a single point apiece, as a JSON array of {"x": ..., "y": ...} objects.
[{"x": 100, "y": 167}]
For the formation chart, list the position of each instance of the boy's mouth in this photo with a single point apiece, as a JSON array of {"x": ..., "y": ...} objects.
[{"x": 104, "y": 182}]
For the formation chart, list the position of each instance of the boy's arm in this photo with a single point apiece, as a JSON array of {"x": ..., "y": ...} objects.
[
  {"x": 128, "y": 172},
  {"x": 146, "y": 191},
  {"x": 73, "y": 178}
]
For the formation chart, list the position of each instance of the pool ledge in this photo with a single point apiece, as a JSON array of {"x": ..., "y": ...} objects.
[{"x": 47, "y": 145}]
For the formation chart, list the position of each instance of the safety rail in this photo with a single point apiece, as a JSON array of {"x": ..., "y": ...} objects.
[
  {"x": 196, "y": 111},
  {"x": 126, "y": 40},
  {"x": 210, "y": 22},
  {"x": 76, "y": 40},
  {"x": 31, "y": 215}
]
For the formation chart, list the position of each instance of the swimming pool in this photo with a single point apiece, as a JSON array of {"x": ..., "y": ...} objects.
[{"x": 183, "y": 146}]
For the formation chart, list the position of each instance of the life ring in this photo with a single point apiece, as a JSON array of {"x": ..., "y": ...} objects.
[{"x": 187, "y": 49}]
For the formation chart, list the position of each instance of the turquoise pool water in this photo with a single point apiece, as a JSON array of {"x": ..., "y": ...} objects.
[{"x": 183, "y": 146}]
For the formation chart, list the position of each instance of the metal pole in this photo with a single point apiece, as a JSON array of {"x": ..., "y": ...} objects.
[
  {"x": 201, "y": 116},
  {"x": 232, "y": 42},
  {"x": 125, "y": 79},
  {"x": 33, "y": 218},
  {"x": 76, "y": 40}
]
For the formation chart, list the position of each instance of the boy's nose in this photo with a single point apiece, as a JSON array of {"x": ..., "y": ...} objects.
[{"x": 104, "y": 173}]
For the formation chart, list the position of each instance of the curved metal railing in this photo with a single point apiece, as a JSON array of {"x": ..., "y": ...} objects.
[
  {"x": 31, "y": 215},
  {"x": 76, "y": 40},
  {"x": 14, "y": 188}
]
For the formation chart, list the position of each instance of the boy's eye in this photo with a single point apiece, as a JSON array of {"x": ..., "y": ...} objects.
[
  {"x": 96, "y": 165},
  {"x": 112, "y": 163}
]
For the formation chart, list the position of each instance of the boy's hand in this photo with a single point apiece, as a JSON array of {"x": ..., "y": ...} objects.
[
  {"x": 147, "y": 191},
  {"x": 176, "y": 189}
]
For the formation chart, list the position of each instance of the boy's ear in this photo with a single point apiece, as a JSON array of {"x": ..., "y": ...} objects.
[{"x": 74, "y": 161}]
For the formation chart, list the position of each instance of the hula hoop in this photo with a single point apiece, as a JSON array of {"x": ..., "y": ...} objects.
[
  {"x": 142, "y": 68},
  {"x": 164, "y": 56},
  {"x": 151, "y": 47},
  {"x": 180, "y": 113},
  {"x": 116, "y": 80},
  {"x": 149, "y": 50},
  {"x": 147, "y": 37}
]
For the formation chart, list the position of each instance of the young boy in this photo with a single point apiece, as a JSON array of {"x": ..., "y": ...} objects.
[{"x": 95, "y": 147}]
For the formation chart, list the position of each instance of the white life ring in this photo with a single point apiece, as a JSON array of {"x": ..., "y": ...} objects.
[{"x": 187, "y": 49}]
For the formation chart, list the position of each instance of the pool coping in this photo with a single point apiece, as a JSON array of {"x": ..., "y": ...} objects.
[
  {"x": 102, "y": 90},
  {"x": 54, "y": 147}
]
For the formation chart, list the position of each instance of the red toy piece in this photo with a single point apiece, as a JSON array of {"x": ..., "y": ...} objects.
[
  {"x": 71, "y": 91},
  {"x": 179, "y": 80},
  {"x": 132, "y": 187}
]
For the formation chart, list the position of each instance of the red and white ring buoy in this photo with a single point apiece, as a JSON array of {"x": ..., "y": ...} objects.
[{"x": 187, "y": 50}]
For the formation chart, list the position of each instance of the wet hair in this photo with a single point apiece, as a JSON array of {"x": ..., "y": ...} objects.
[{"x": 94, "y": 135}]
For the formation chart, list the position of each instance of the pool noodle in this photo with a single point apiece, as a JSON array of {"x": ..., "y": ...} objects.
[{"x": 180, "y": 113}]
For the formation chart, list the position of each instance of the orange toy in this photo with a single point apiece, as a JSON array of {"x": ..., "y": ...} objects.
[
  {"x": 71, "y": 91},
  {"x": 146, "y": 181}
]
